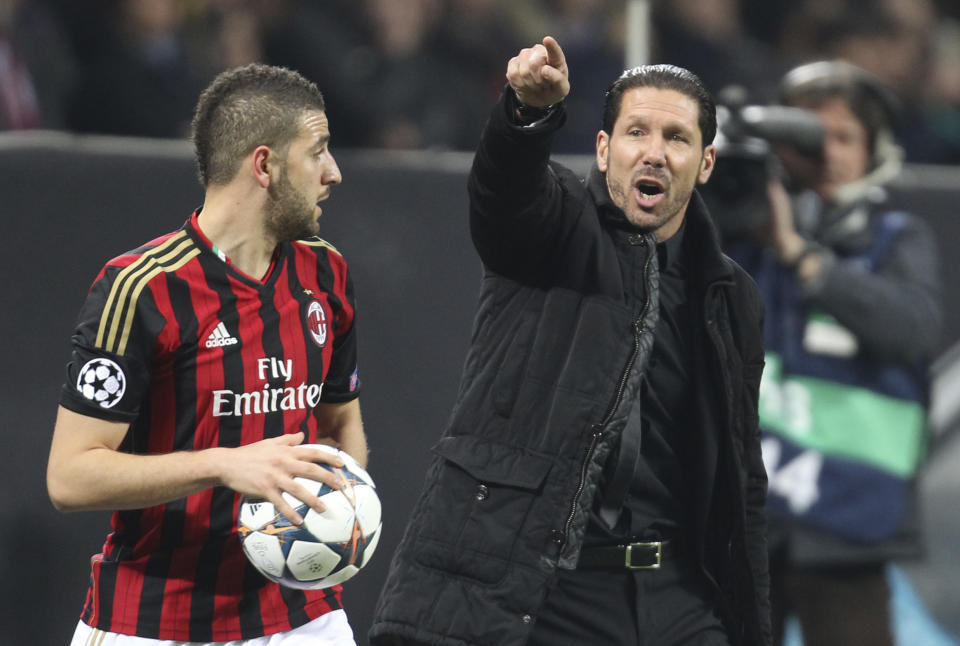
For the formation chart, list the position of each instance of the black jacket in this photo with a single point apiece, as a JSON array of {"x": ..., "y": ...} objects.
[{"x": 562, "y": 335}]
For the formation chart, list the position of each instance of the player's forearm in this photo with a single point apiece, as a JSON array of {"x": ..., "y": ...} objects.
[
  {"x": 105, "y": 479},
  {"x": 343, "y": 424},
  {"x": 354, "y": 443}
]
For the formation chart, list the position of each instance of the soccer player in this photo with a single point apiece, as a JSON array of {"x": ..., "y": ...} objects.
[{"x": 201, "y": 360}]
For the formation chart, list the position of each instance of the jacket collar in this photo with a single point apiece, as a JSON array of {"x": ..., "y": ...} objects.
[
  {"x": 610, "y": 214},
  {"x": 701, "y": 241},
  {"x": 703, "y": 244}
]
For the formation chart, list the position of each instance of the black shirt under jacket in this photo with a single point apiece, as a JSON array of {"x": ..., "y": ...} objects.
[{"x": 659, "y": 493}]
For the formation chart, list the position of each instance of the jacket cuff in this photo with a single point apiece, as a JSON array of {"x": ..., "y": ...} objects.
[{"x": 523, "y": 117}]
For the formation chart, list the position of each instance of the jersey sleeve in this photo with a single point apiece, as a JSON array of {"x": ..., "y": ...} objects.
[
  {"x": 343, "y": 378},
  {"x": 108, "y": 373}
]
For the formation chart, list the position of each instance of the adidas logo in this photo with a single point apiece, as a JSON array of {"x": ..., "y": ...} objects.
[{"x": 219, "y": 337}]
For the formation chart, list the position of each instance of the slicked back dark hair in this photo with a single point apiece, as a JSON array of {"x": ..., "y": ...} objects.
[
  {"x": 249, "y": 106},
  {"x": 663, "y": 77}
]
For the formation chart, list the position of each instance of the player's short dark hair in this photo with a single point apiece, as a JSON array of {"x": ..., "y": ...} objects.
[
  {"x": 663, "y": 77},
  {"x": 245, "y": 107}
]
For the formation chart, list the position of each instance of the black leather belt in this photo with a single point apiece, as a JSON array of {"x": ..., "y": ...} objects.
[{"x": 648, "y": 555}]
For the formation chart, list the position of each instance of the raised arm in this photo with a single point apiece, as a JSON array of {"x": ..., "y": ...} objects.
[{"x": 515, "y": 196}]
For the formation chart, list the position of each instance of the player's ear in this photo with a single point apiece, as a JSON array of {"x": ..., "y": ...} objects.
[{"x": 260, "y": 161}]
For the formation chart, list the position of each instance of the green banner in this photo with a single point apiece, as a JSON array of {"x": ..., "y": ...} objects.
[{"x": 841, "y": 420}]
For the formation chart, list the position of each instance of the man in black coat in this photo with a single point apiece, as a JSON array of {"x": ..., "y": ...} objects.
[{"x": 600, "y": 481}]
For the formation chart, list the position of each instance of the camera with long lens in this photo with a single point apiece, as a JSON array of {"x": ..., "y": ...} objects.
[{"x": 747, "y": 135}]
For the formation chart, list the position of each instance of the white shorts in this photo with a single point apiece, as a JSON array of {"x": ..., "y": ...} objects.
[{"x": 331, "y": 629}]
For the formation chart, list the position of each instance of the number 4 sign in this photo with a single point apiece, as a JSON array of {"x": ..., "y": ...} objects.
[{"x": 796, "y": 480}]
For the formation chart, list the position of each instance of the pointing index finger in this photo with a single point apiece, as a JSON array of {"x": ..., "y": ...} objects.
[{"x": 555, "y": 57}]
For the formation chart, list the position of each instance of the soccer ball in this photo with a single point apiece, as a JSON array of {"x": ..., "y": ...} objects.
[
  {"x": 328, "y": 548},
  {"x": 102, "y": 381}
]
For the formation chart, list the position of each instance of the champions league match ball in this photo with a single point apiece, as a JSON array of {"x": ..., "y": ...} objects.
[{"x": 328, "y": 548}]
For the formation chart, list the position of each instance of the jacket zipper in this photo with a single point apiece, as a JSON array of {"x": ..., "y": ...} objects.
[{"x": 638, "y": 328}]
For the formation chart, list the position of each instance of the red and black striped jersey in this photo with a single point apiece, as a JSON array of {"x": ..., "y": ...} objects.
[{"x": 196, "y": 354}]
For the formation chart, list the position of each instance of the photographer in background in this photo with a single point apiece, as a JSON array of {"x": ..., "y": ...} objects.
[{"x": 853, "y": 317}]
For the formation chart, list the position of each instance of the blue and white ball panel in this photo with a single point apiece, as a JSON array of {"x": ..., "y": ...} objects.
[
  {"x": 367, "y": 509},
  {"x": 265, "y": 553},
  {"x": 370, "y": 547},
  {"x": 336, "y": 523},
  {"x": 257, "y": 514},
  {"x": 309, "y": 561}
]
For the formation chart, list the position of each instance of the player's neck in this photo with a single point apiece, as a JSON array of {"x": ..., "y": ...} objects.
[{"x": 236, "y": 229}]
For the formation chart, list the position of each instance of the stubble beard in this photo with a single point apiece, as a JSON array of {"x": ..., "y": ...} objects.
[
  {"x": 288, "y": 216},
  {"x": 623, "y": 199},
  {"x": 645, "y": 221}
]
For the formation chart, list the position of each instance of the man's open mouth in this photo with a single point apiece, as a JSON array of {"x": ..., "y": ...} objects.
[{"x": 648, "y": 188}]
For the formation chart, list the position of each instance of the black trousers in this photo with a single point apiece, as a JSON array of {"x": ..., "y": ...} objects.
[{"x": 671, "y": 606}]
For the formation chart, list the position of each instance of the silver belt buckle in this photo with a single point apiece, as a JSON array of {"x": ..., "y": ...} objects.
[{"x": 628, "y": 552}]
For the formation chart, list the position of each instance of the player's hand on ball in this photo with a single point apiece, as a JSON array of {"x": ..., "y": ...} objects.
[
  {"x": 267, "y": 469},
  {"x": 539, "y": 74},
  {"x": 329, "y": 547}
]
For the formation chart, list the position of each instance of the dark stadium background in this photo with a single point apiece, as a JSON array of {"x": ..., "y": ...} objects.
[{"x": 70, "y": 203}]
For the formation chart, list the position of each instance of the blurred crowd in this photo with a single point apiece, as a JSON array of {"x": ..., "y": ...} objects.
[{"x": 421, "y": 74}]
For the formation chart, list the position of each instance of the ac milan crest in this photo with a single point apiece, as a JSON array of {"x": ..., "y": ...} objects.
[{"x": 317, "y": 323}]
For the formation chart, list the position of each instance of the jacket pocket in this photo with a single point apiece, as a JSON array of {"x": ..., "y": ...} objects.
[{"x": 478, "y": 505}]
